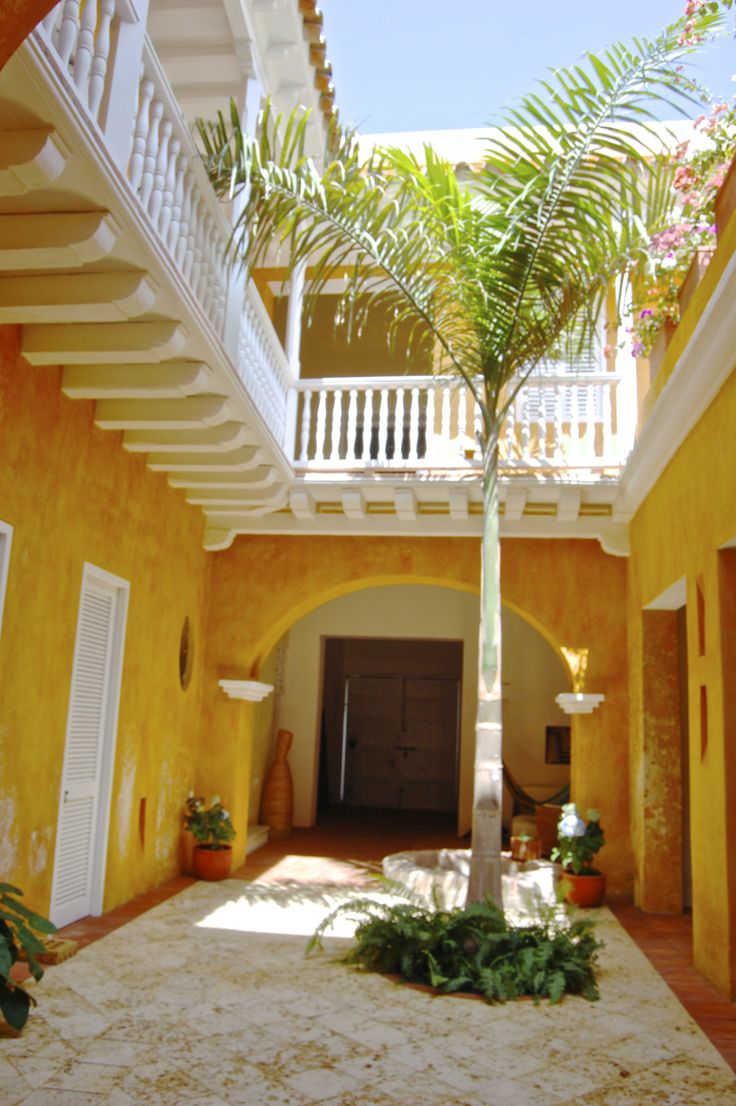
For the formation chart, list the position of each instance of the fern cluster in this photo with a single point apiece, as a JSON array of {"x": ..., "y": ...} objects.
[{"x": 474, "y": 950}]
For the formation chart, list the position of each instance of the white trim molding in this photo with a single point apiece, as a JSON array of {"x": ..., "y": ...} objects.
[
  {"x": 578, "y": 702},
  {"x": 249, "y": 690}
]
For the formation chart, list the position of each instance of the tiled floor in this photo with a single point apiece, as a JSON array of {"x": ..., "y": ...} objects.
[{"x": 134, "y": 1018}]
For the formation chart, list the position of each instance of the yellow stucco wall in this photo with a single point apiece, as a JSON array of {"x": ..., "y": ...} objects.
[
  {"x": 570, "y": 590},
  {"x": 676, "y": 533},
  {"x": 73, "y": 495}
]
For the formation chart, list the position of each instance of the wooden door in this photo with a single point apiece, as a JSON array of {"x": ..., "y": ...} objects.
[{"x": 401, "y": 742}]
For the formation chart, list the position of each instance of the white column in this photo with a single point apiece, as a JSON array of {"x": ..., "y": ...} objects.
[
  {"x": 293, "y": 338},
  {"x": 120, "y": 102}
]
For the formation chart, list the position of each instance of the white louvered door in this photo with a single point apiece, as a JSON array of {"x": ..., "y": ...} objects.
[{"x": 89, "y": 750}]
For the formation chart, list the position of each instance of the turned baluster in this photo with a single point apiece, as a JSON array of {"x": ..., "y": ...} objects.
[
  {"x": 149, "y": 161},
  {"x": 221, "y": 284},
  {"x": 399, "y": 425},
  {"x": 196, "y": 238},
  {"x": 445, "y": 416},
  {"x": 159, "y": 173},
  {"x": 51, "y": 25},
  {"x": 541, "y": 426},
  {"x": 184, "y": 255},
  {"x": 336, "y": 428},
  {"x": 558, "y": 452},
  {"x": 306, "y": 425},
  {"x": 511, "y": 447},
  {"x": 85, "y": 49},
  {"x": 607, "y": 418},
  {"x": 352, "y": 450},
  {"x": 383, "y": 426},
  {"x": 101, "y": 56},
  {"x": 69, "y": 30},
  {"x": 140, "y": 133},
  {"x": 173, "y": 234},
  {"x": 525, "y": 426},
  {"x": 368, "y": 447},
  {"x": 413, "y": 454},
  {"x": 319, "y": 448},
  {"x": 429, "y": 434},
  {"x": 167, "y": 203},
  {"x": 578, "y": 427}
]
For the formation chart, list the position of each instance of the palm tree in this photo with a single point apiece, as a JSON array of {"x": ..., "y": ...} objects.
[{"x": 493, "y": 273}]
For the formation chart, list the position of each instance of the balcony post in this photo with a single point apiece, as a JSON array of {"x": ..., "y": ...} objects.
[
  {"x": 120, "y": 105},
  {"x": 293, "y": 338},
  {"x": 236, "y": 286}
]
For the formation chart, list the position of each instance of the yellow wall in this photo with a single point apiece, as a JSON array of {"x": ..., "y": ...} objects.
[
  {"x": 570, "y": 590},
  {"x": 72, "y": 495},
  {"x": 677, "y": 532}
]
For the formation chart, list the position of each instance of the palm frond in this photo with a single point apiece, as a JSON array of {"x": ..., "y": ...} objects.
[{"x": 491, "y": 273}]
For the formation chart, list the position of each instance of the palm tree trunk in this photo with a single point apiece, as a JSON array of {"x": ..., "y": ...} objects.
[{"x": 485, "y": 865}]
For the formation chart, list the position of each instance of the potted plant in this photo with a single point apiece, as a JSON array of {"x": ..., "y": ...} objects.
[
  {"x": 678, "y": 255},
  {"x": 577, "y": 843},
  {"x": 212, "y": 831},
  {"x": 19, "y": 937}
]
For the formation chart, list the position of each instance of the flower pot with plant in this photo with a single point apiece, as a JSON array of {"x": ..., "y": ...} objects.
[
  {"x": 21, "y": 935},
  {"x": 578, "y": 842},
  {"x": 212, "y": 831}
]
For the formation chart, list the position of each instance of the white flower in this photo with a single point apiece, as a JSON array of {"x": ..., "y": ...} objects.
[
  {"x": 571, "y": 826},
  {"x": 224, "y": 814},
  {"x": 215, "y": 800},
  {"x": 594, "y": 815}
]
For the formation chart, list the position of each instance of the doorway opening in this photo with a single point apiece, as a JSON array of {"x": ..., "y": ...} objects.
[{"x": 390, "y": 725}]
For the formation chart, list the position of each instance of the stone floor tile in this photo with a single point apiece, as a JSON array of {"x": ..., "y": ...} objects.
[
  {"x": 53, "y": 1096},
  {"x": 294, "y": 1031}
]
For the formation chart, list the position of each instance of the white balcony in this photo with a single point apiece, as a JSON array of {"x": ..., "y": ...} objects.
[
  {"x": 569, "y": 423},
  {"x": 179, "y": 354}
]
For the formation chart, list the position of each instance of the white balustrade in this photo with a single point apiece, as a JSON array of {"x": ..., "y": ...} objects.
[
  {"x": 407, "y": 423},
  {"x": 154, "y": 149},
  {"x": 557, "y": 420},
  {"x": 81, "y": 34},
  {"x": 263, "y": 368}
]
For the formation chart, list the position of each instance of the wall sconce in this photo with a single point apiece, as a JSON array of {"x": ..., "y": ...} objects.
[
  {"x": 250, "y": 690},
  {"x": 578, "y": 702}
]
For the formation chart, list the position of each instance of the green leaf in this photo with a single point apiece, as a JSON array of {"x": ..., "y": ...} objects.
[{"x": 15, "y": 1004}]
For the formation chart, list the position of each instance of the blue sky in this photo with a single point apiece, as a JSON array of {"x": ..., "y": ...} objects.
[{"x": 433, "y": 64}]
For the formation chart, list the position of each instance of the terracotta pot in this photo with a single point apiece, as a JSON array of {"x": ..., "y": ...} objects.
[
  {"x": 585, "y": 890},
  {"x": 212, "y": 864}
]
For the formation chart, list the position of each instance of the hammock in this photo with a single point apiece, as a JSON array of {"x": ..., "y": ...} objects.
[{"x": 524, "y": 803}]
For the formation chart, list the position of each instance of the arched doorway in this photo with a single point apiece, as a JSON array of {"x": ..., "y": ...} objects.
[{"x": 436, "y": 620}]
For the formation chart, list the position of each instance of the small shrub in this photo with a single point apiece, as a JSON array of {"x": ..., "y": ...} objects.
[
  {"x": 19, "y": 930},
  {"x": 473, "y": 950}
]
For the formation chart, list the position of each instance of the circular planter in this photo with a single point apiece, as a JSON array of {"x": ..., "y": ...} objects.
[
  {"x": 212, "y": 864},
  {"x": 585, "y": 890}
]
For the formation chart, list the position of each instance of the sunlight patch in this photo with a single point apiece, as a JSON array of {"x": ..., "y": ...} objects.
[{"x": 295, "y": 910}]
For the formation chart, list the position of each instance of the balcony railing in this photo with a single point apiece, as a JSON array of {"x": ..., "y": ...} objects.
[
  {"x": 411, "y": 423},
  {"x": 102, "y": 49},
  {"x": 567, "y": 421}
]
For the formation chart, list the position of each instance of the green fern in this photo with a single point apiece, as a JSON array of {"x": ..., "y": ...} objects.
[{"x": 473, "y": 950}]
